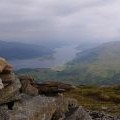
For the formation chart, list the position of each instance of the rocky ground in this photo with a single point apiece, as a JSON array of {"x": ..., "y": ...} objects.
[
  {"x": 23, "y": 99},
  {"x": 95, "y": 115}
]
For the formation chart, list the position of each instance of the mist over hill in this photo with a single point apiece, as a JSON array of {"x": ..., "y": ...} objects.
[
  {"x": 99, "y": 65},
  {"x": 17, "y": 50}
]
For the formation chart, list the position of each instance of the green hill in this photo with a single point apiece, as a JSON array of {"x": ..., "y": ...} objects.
[{"x": 100, "y": 65}]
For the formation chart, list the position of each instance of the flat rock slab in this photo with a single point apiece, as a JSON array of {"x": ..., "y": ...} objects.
[{"x": 43, "y": 108}]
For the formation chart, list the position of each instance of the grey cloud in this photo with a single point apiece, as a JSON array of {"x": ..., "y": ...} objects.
[{"x": 68, "y": 20}]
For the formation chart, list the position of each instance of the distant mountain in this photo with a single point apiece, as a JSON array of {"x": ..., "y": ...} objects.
[
  {"x": 15, "y": 50},
  {"x": 100, "y": 65}
]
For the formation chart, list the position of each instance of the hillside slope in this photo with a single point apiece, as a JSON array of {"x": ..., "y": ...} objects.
[
  {"x": 15, "y": 50},
  {"x": 98, "y": 65}
]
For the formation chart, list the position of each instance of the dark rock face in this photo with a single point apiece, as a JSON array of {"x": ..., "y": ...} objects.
[
  {"x": 59, "y": 85},
  {"x": 57, "y": 115},
  {"x": 52, "y": 88},
  {"x": 3, "y": 115},
  {"x": 48, "y": 88},
  {"x": 7, "y": 78}
]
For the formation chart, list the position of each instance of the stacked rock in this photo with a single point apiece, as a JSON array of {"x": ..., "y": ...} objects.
[
  {"x": 27, "y": 86},
  {"x": 6, "y": 74},
  {"x": 9, "y": 84}
]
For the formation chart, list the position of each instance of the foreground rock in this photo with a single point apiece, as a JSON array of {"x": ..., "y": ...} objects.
[
  {"x": 48, "y": 88},
  {"x": 44, "y": 108},
  {"x": 27, "y": 86},
  {"x": 51, "y": 88},
  {"x": 95, "y": 115},
  {"x": 37, "y": 108},
  {"x": 9, "y": 84},
  {"x": 19, "y": 99},
  {"x": 59, "y": 85},
  {"x": 78, "y": 114},
  {"x": 10, "y": 93}
]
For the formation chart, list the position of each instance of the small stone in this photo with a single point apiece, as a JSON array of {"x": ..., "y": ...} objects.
[
  {"x": 104, "y": 108},
  {"x": 1, "y": 84}
]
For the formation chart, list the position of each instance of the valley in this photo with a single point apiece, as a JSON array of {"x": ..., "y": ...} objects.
[
  {"x": 60, "y": 57},
  {"x": 20, "y": 51},
  {"x": 95, "y": 66}
]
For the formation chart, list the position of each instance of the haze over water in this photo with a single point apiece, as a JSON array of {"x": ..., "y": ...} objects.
[{"x": 61, "y": 56}]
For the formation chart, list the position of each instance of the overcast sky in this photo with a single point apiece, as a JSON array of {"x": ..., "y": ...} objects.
[{"x": 66, "y": 20}]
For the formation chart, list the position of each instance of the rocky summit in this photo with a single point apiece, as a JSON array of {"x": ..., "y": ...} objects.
[{"x": 21, "y": 98}]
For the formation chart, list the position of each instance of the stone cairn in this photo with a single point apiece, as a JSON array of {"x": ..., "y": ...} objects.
[{"x": 9, "y": 84}]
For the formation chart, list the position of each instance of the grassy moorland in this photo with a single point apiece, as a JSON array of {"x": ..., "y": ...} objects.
[{"x": 100, "y": 98}]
